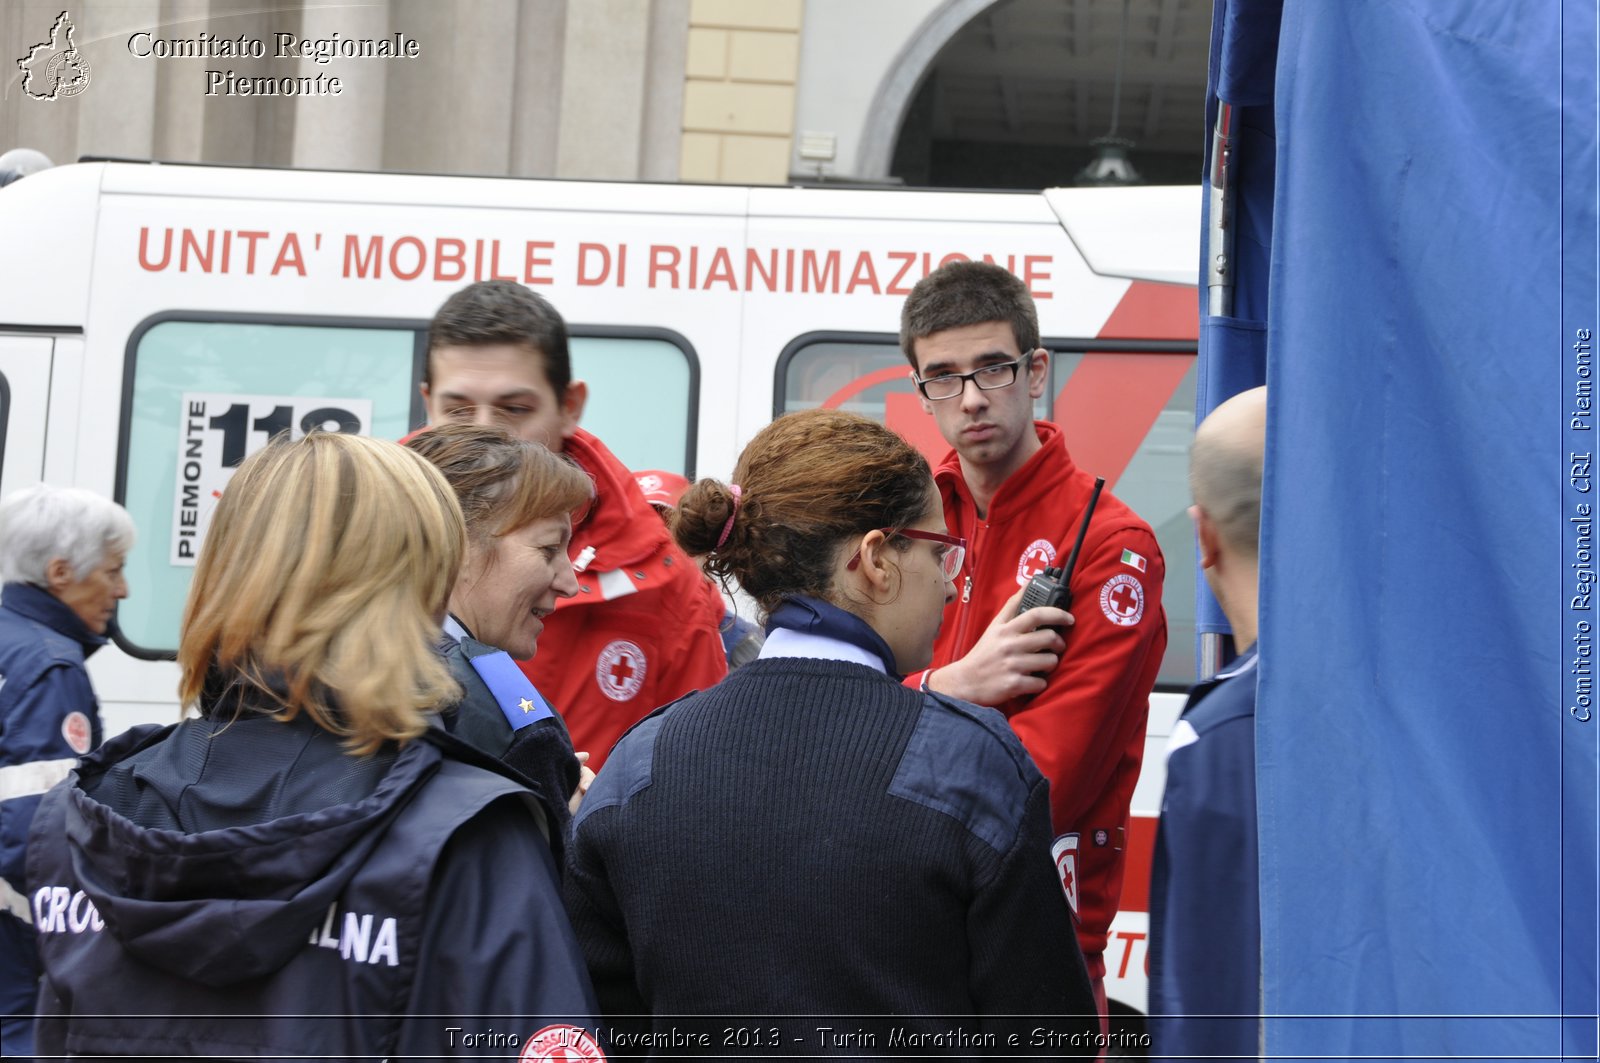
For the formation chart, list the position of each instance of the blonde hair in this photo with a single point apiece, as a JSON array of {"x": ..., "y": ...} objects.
[{"x": 326, "y": 567}]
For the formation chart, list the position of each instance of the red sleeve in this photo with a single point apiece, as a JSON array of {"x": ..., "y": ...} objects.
[
  {"x": 1082, "y": 726},
  {"x": 695, "y": 659}
]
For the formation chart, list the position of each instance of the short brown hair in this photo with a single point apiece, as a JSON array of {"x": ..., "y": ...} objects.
[
  {"x": 968, "y": 293},
  {"x": 490, "y": 313},
  {"x": 503, "y": 483},
  {"x": 323, "y": 574},
  {"x": 809, "y": 482}
]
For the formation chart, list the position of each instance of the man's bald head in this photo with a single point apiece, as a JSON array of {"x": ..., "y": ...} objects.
[{"x": 1225, "y": 469}]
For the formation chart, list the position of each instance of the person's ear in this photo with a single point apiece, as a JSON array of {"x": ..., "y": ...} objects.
[
  {"x": 927, "y": 407},
  {"x": 1205, "y": 530},
  {"x": 573, "y": 401},
  {"x": 58, "y": 575},
  {"x": 876, "y": 569},
  {"x": 427, "y": 403},
  {"x": 1038, "y": 372}
]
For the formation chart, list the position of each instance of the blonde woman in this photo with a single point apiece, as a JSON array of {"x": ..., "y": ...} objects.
[{"x": 311, "y": 867}]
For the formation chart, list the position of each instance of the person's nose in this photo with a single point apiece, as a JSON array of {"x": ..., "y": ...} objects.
[
  {"x": 566, "y": 584},
  {"x": 973, "y": 398},
  {"x": 484, "y": 417}
]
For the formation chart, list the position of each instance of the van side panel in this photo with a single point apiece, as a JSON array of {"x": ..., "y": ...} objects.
[
  {"x": 24, "y": 403},
  {"x": 170, "y": 286}
]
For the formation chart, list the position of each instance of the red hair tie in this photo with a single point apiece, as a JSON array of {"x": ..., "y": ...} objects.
[{"x": 738, "y": 492}]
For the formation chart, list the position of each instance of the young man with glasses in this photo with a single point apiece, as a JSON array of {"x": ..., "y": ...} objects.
[{"x": 1078, "y": 699}]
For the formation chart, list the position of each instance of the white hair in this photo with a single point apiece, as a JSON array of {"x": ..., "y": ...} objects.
[{"x": 41, "y": 523}]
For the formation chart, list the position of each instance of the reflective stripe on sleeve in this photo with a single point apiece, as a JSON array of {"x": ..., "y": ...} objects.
[
  {"x": 26, "y": 780},
  {"x": 15, "y": 903}
]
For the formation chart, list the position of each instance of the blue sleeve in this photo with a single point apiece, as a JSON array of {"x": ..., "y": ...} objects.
[
  {"x": 598, "y": 921},
  {"x": 1027, "y": 971},
  {"x": 497, "y": 949},
  {"x": 1212, "y": 960},
  {"x": 35, "y": 753}
]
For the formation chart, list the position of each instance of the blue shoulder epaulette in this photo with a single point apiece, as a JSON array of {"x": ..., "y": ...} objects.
[{"x": 521, "y": 702}]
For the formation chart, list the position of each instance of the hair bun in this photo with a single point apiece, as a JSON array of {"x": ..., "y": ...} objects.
[
  {"x": 733, "y": 514},
  {"x": 704, "y": 510}
]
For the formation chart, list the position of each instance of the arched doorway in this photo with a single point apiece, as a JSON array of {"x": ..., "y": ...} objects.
[{"x": 1012, "y": 93}]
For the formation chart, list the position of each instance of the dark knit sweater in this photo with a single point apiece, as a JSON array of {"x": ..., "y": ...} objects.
[{"x": 809, "y": 844}]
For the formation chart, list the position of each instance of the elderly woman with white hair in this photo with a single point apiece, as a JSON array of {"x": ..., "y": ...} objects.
[{"x": 61, "y": 556}]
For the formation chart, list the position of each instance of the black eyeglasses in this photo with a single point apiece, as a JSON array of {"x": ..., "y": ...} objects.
[
  {"x": 949, "y": 560},
  {"x": 988, "y": 378}
]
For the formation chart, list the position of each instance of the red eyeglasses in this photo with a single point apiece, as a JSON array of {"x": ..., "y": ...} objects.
[{"x": 949, "y": 561}]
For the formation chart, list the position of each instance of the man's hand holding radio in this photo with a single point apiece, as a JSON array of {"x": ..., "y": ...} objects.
[{"x": 1010, "y": 659}]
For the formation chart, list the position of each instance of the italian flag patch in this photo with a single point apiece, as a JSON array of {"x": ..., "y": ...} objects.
[{"x": 1133, "y": 560}]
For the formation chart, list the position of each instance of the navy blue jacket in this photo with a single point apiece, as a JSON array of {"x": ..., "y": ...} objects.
[
  {"x": 48, "y": 718},
  {"x": 294, "y": 900},
  {"x": 502, "y": 714},
  {"x": 1205, "y": 903},
  {"x": 807, "y": 845}
]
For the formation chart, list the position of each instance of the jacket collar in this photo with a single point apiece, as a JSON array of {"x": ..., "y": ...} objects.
[
  {"x": 1240, "y": 664},
  {"x": 621, "y": 527},
  {"x": 40, "y": 606},
  {"x": 1243, "y": 664},
  {"x": 1046, "y": 472},
  {"x": 817, "y": 618}
]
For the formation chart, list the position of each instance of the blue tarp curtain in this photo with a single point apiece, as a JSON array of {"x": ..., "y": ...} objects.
[{"x": 1416, "y": 278}]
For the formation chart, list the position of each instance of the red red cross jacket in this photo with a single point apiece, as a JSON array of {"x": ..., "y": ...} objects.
[
  {"x": 643, "y": 628},
  {"x": 1086, "y": 730}
]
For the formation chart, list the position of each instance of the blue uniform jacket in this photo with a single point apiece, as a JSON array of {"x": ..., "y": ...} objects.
[
  {"x": 48, "y": 718},
  {"x": 296, "y": 901},
  {"x": 1205, "y": 903},
  {"x": 502, "y": 714}
]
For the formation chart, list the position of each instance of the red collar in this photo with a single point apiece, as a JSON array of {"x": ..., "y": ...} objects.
[{"x": 1047, "y": 471}]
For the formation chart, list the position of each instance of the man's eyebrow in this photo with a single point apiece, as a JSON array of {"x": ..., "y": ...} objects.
[
  {"x": 504, "y": 396},
  {"x": 980, "y": 362}
]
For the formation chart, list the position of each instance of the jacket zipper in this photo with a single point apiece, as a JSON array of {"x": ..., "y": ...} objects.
[{"x": 965, "y": 611}]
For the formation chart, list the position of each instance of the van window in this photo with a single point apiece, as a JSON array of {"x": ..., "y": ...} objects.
[
  {"x": 643, "y": 390},
  {"x": 5, "y": 420},
  {"x": 199, "y": 396},
  {"x": 1129, "y": 415}
]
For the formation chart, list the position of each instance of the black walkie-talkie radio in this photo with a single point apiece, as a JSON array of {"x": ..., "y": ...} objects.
[{"x": 1053, "y": 585}]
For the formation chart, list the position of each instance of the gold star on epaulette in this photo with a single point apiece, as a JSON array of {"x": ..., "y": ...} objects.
[{"x": 525, "y": 705}]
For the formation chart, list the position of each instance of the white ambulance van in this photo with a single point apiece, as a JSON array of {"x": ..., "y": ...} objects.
[{"x": 159, "y": 322}]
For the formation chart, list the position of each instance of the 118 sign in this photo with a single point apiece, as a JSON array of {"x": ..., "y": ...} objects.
[{"x": 216, "y": 433}]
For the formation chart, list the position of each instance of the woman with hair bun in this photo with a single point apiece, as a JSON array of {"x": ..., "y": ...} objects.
[
  {"x": 310, "y": 868},
  {"x": 810, "y": 838}
]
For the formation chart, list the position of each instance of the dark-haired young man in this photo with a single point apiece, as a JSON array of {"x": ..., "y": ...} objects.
[
  {"x": 1079, "y": 702},
  {"x": 643, "y": 628}
]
